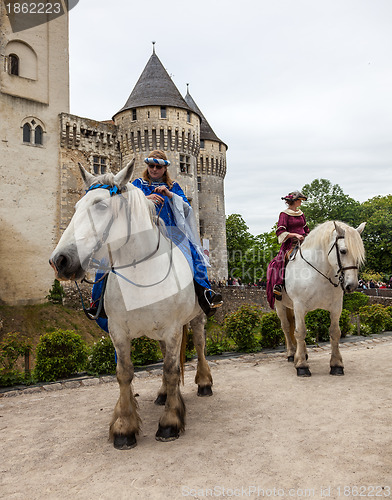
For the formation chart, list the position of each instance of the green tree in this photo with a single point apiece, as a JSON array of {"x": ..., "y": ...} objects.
[
  {"x": 248, "y": 255},
  {"x": 264, "y": 248},
  {"x": 377, "y": 213},
  {"x": 239, "y": 242},
  {"x": 327, "y": 201}
]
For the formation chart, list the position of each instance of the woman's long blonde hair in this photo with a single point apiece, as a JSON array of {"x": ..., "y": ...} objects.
[{"x": 160, "y": 155}]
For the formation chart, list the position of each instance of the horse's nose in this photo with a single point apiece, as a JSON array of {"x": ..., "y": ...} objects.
[
  {"x": 351, "y": 287},
  {"x": 62, "y": 266},
  {"x": 59, "y": 263}
]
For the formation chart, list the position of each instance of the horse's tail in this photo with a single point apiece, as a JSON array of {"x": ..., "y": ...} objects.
[{"x": 183, "y": 349}]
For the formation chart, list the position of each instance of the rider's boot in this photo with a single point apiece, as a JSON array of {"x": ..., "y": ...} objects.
[
  {"x": 209, "y": 300},
  {"x": 96, "y": 310}
]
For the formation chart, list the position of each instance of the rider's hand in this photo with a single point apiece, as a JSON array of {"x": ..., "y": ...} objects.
[
  {"x": 297, "y": 236},
  {"x": 156, "y": 199},
  {"x": 164, "y": 191}
]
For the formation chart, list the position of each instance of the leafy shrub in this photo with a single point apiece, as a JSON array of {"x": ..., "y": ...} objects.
[
  {"x": 317, "y": 324},
  {"x": 102, "y": 358},
  {"x": 145, "y": 351},
  {"x": 353, "y": 301},
  {"x": 309, "y": 340},
  {"x": 375, "y": 317},
  {"x": 12, "y": 347},
  {"x": 369, "y": 274},
  {"x": 271, "y": 331},
  {"x": 364, "y": 330},
  {"x": 345, "y": 323},
  {"x": 190, "y": 350},
  {"x": 388, "y": 322},
  {"x": 59, "y": 354},
  {"x": 56, "y": 293},
  {"x": 240, "y": 327},
  {"x": 217, "y": 342}
]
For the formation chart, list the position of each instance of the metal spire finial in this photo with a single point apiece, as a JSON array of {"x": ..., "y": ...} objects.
[{"x": 153, "y": 47}]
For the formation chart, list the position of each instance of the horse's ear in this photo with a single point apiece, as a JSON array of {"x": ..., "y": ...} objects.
[
  {"x": 361, "y": 227},
  {"x": 88, "y": 178},
  {"x": 125, "y": 174},
  {"x": 339, "y": 229}
]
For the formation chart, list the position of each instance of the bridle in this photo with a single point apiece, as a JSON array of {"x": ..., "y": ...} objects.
[
  {"x": 106, "y": 269},
  {"x": 97, "y": 264},
  {"x": 340, "y": 272}
]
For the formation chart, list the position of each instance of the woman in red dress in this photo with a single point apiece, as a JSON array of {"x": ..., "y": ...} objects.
[{"x": 292, "y": 228}]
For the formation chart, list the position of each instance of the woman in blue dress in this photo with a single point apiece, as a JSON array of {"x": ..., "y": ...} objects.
[{"x": 176, "y": 212}]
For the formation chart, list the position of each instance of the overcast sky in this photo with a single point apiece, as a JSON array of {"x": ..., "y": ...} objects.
[{"x": 298, "y": 89}]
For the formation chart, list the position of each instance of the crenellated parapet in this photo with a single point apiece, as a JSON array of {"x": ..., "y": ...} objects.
[
  {"x": 89, "y": 142},
  {"x": 212, "y": 159},
  {"x": 77, "y": 132}
]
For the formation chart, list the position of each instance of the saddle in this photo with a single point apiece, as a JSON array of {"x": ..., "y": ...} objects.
[{"x": 291, "y": 254}]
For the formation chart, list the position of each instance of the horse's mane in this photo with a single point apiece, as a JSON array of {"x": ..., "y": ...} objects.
[
  {"x": 321, "y": 235},
  {"x": 109, "y": 179}
]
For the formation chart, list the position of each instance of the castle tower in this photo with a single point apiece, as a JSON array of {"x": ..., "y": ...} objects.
[
  {"x": 211, "y": 170},
  {"x": 34, "y": 89},
  {"x": 156, "y": 116}
]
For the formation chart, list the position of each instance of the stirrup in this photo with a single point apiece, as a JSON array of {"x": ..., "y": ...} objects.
[
  {"x": 213, "y": 304},
  {"x": 277, "y": 291}
]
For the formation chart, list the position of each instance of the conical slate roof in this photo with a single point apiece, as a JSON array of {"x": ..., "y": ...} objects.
[
  {"x": 155, "y": 88},
  {"x": 206, "y": 131}
]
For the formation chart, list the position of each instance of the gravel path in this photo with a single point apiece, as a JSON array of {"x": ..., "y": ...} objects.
[{"x": 264, "y": 433}]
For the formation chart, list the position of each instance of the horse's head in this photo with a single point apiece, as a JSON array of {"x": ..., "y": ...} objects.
[
  {"x": 95, "y": 229},
  {"x": 346, "y": 254}
]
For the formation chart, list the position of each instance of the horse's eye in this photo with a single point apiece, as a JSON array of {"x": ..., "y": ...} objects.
[
  {"x": 101, "y": 206},
  {"x": 343, "y": 251}
]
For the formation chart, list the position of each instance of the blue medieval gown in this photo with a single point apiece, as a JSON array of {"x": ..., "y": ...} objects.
[{"x": 180, "y": 223}]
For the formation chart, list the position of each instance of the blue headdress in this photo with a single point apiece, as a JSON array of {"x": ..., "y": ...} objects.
[{"x": 157, "y": 161}]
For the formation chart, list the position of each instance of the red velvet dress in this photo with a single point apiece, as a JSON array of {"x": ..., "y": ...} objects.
[{"x": 275, "y": 272}]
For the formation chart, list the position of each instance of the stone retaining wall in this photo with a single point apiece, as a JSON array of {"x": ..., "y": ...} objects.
[{"x": 233, "y": 298}]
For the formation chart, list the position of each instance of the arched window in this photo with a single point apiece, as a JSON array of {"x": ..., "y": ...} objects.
[
  {"x": 14, "y": 64},
  {"x": 38, "y": 135},
  {"x": 27, "y": 132}
]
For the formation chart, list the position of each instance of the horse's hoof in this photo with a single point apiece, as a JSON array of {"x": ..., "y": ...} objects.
[
  {"x": 337, "y": 370},
  {"x": 303, "y": 372},
  {"x": 204, "y": 391},
  {"x": 161, "y": 400},
  {"x": 169, "y": 433},
  {"x": 122, "y": 442}
]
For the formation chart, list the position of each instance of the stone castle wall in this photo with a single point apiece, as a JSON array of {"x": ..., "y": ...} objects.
[
  {"x": 29, "y": 177},
  {"x": 233, "y": 298},
  {"x": 211, "y": 171},
  {"x": 40, "y": 183},
  {"x": 83, "y": 141}
]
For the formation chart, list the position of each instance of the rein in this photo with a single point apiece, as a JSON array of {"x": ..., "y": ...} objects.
[{"x": 340, "y": 271}]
